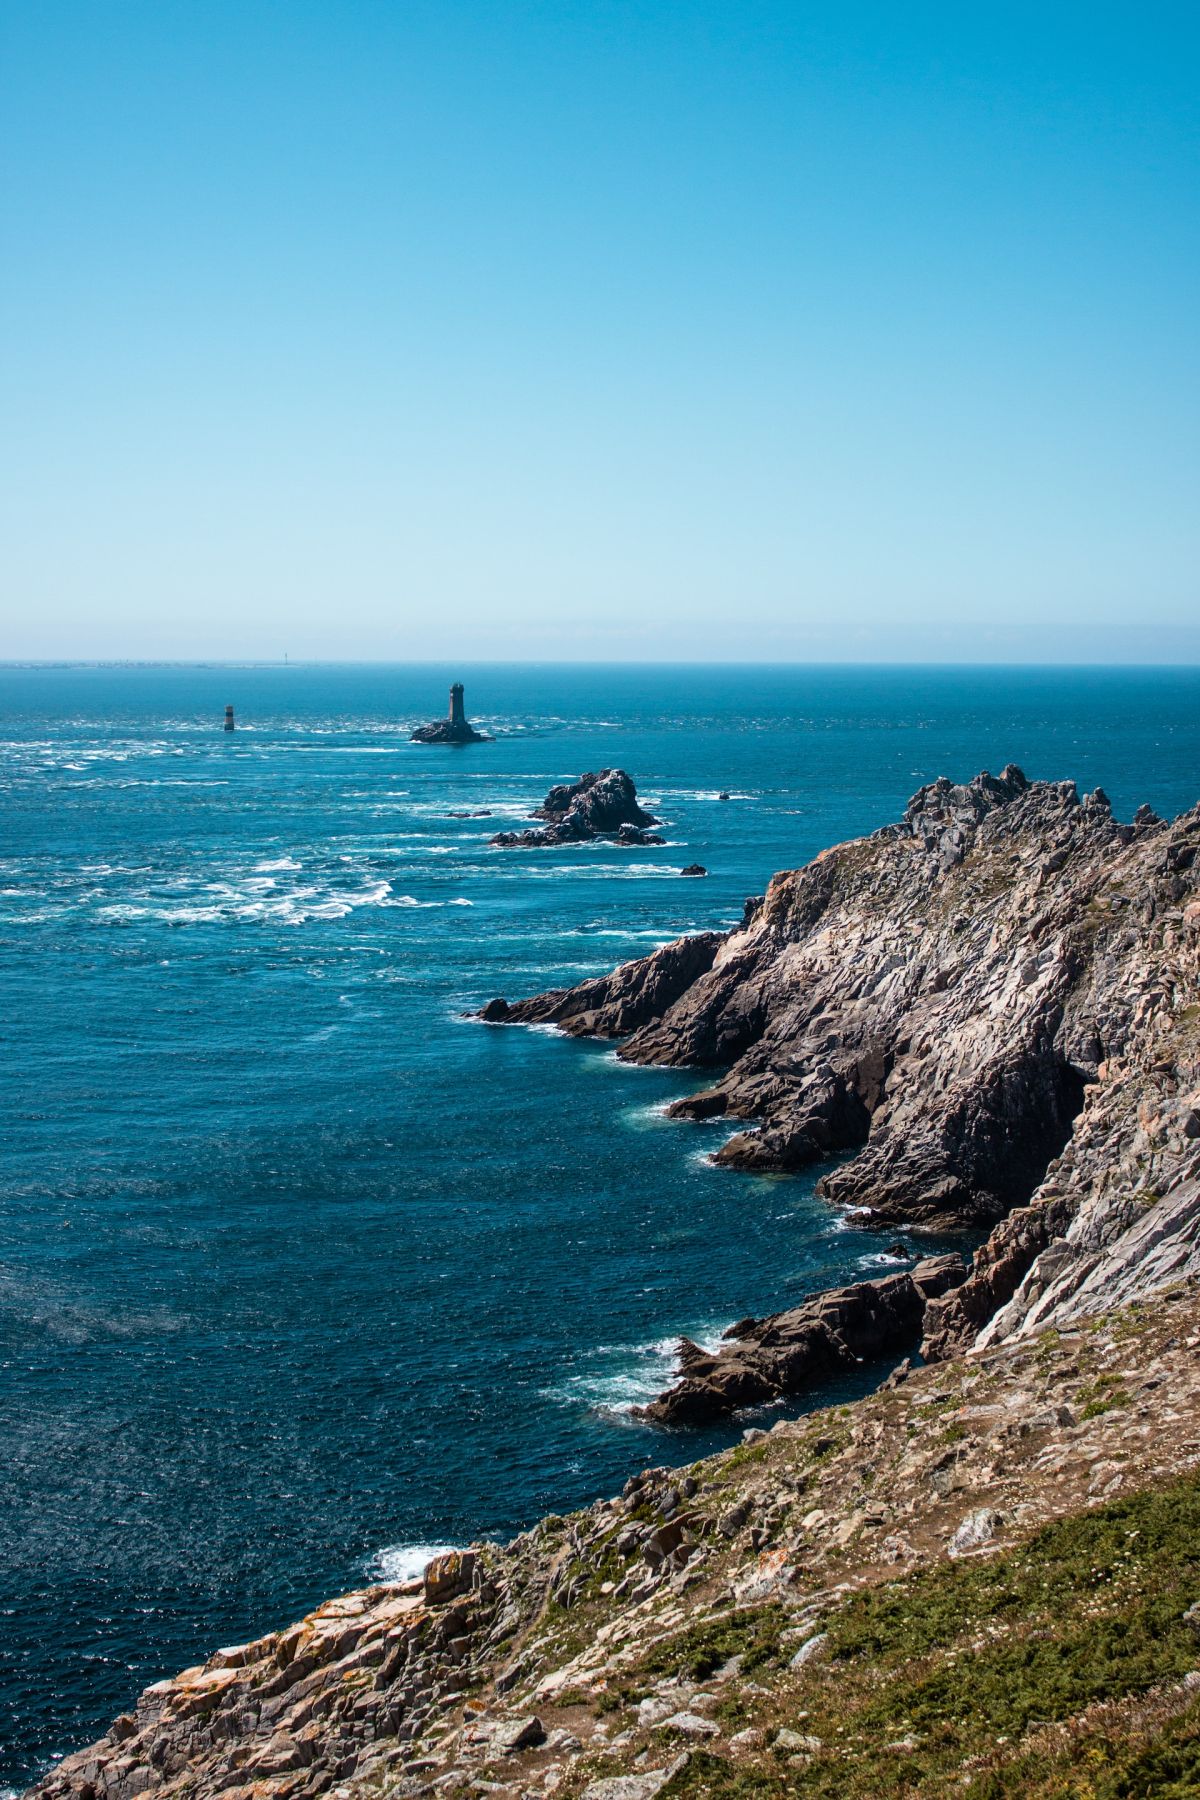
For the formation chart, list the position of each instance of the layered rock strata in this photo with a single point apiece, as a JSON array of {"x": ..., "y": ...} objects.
[
  {"x": 764, "y": 1359},
  {"x": 990, "y": 1010},
  {"x": 603, "y": 805},
  {"x": 747, "y": 1624}
]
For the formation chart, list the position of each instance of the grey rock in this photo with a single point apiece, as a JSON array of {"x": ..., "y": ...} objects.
[
  {"x": 807, "y": 1651},
  {"x": 977, "y": 1529},
  {"x": 603, "y": 805}
]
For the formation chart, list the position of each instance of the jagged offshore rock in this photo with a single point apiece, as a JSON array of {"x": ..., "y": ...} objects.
[{"x": 603, "y": 805}]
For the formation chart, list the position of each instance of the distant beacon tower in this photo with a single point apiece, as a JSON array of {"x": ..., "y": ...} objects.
[
  {"x": 457, "y": 715},
  {"x": 229, "y": 716}
]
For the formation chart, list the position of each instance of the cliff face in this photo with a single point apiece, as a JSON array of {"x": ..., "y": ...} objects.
[
  {"x": 991, "y": 1005},
  {"x": 981, "y": 1580}
]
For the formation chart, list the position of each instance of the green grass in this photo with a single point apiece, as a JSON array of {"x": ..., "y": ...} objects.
[
  {"x": 698, "y": 1652},
  {"x": 988, "y": 1670},
  {"x": 1100, "y": 1396}
]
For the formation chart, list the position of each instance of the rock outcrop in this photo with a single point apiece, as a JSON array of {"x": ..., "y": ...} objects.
[
  {"x": 990, "y": 1010},
  {"x": 614, "y": 1005},
  {"x": 454, "y": 728},
  {"x": 765, "y": 1359},
  {"x": 603, "y": 805},
  {"x": 789, "y": 1616}
]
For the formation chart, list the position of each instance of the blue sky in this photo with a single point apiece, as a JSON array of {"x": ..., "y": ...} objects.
[{"x": 599, "y": 330}]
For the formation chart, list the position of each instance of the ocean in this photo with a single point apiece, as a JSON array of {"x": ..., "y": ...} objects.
[{"x": 302, "y": 1273}]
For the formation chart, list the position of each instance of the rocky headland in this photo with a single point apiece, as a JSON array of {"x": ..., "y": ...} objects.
[
  {"x": 981, "y": 1580},
  {"x": 990, "y": 1011},
  {"x": 595, "y": 806}
]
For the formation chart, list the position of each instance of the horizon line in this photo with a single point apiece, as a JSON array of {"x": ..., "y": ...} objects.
[{"x": 549, "y": 662}]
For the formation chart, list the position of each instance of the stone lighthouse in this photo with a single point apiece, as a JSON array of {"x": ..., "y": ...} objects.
[{"x": 455, "y": 728}]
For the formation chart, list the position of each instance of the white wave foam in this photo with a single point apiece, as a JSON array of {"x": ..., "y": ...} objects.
[
  {"x": 424, "y": 905},
  {"x": 253, "y": 901},
  {"x": 405, "y": 1562},
  {"x": 630, "y": 1375},
  {"x": 844, "y": 1221},
  {"x": 644, "y": 1118}
]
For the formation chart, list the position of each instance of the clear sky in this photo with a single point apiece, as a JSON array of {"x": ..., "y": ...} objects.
[{"x": 379, "y": 328}]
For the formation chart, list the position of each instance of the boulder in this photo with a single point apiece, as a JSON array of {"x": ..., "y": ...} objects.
[
  {"x": 603, "y": 805},
  {"x": 449, "y": 1575}
]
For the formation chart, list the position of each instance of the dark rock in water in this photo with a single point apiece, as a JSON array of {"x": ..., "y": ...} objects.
[
  {"x": 722, "y": 795},
  {"x": 603, "y": 805},
  {"x": 479, "y": 812},
  {"x": 900, "y": 1250},
  {"x": 629, "y": 997},
  {"x": 694, "y": 869},
  {"x": 764, "y": 1359},
  {"x": 454, "y": 728}
]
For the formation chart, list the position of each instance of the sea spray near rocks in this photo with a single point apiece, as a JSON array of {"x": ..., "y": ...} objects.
[
  {"x": 267, "y": 1185},
  {"x": 603, "y": 805},
  {"x": 991, "y": 1006}
]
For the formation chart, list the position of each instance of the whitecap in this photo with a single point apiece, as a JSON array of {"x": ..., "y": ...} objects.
[
  {"x": 630, "y": 1375},
  {"x": 642, "y": 1118},
  {"x": 405, "y": 1562},
  {"x": 844, "y": 1220}
]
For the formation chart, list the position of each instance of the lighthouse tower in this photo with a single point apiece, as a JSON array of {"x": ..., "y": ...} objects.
[{"x": 455, "y": 728}]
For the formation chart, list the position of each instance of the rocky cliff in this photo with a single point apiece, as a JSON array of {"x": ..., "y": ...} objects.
[
  {"x": 989, "y": 1010},
  {"x": 983, "y": 1580}
]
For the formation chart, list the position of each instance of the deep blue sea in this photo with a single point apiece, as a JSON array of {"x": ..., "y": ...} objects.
[{"x": 300, "y": 1271}]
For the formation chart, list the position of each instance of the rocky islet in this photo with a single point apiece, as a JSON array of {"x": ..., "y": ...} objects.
[{"x": 603, "y": 805}]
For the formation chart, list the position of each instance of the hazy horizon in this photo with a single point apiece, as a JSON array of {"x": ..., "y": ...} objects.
[{"x": 600, "y": 332}]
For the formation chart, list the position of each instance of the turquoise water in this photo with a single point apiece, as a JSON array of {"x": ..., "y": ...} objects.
[{"x": 298, "y": 1270}]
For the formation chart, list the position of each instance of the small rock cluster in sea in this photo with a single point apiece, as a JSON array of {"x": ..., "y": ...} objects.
[{"x": 603, "y": 805}]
